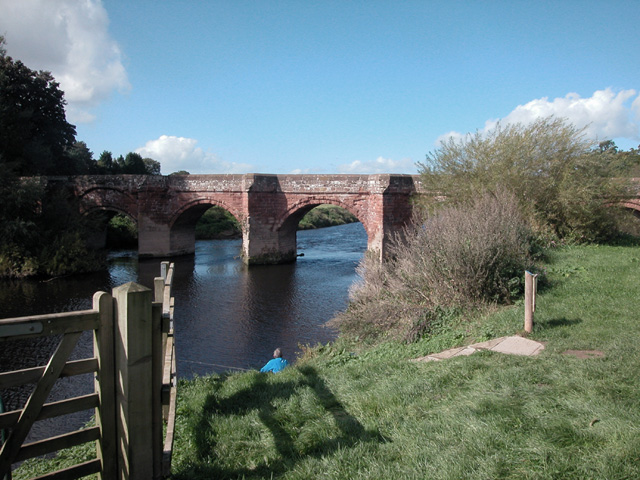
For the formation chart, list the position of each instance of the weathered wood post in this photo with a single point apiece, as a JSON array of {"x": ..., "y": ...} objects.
[
  {"x": 134, "y": 381},
  {"x": 530, "y": 284},
  {"x": 105, "y": 386}
]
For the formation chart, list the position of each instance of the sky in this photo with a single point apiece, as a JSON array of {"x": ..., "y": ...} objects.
[{"x": 323, "y": 86}]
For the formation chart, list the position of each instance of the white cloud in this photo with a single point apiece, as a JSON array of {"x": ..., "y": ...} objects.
[
  {"x": 70, "y": 39},
  {"x": 606, "y": 115},
  {"x": 379, "y": 165},
  {"x": 180, "y": 153}
]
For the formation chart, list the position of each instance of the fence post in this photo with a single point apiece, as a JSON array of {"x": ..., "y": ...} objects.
[
  {"x": 104, "y": 385},
  {"x": 530, "y": 282},
  {"x": 133, "y": 379}
]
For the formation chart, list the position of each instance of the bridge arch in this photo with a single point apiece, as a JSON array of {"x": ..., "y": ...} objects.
[
  {"x": 288, "y": 221},
  {"x": 195, "y": 208},
  {"x": 112, "y": 199},
  {"x": 182, "y": 224}
]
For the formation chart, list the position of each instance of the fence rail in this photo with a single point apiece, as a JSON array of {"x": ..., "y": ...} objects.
[{"x": 134, "y": 364}]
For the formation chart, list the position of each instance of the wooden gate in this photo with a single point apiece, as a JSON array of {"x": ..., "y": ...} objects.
[{"x": 135, "y": 384}]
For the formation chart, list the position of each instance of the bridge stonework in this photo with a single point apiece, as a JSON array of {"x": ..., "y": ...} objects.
[{"x": 268, "y": 207}]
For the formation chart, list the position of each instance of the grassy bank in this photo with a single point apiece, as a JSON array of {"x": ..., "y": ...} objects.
[
  {"x": 346, "y": 411},
  {"x": 352, "y": 411}
]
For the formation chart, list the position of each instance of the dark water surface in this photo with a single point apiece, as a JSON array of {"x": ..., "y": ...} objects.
[{"x": 227, "y": 315}]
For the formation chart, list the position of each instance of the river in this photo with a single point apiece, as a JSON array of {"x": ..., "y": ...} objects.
[{"x": 227, "y": 316}]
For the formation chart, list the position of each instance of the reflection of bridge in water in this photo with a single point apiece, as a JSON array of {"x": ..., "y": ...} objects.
[{"x": 268, "y": 207}]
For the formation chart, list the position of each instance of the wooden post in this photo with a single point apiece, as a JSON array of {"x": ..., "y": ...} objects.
[
  {"x": 530, "y": 282},
  {"x": 134, "y": 375},
  {"x": 105, "y": 386}
]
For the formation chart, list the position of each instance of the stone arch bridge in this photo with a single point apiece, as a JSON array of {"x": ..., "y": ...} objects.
[{"x": 268, "y": 207}]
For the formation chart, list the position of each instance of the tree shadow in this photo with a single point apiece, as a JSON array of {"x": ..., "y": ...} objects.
[
  {"x": 263, "y": 396},
  {"x": 561, "y": 322}
]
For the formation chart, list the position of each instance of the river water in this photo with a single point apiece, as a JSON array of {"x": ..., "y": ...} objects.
[{"x": 227, "y": 316}]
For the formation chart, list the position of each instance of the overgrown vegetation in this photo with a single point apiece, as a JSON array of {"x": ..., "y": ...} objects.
[
  {"x": 122, "y": 232},
  {"x": 451, "y": 261},
  {"x": 563, "y": 182},
  {"x": 494, "y": 200},
  {"x": 40, "y": 233},
  {"x": 217, "y": 223}
]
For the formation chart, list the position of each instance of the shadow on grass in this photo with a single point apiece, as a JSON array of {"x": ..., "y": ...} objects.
[
  {"x": 560, "y": 322},
  {"x": 261, "y": 395}
]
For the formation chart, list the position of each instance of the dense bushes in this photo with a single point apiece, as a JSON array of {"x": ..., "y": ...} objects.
[
  {"x": 451, "y": 260},
  {"x": 562, "y": 181}
]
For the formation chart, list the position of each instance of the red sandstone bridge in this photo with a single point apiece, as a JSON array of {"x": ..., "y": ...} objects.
[{"x": 268, "y": 207}]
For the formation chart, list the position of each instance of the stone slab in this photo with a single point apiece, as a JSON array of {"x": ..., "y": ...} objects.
[{"x": 518, "y": 346}]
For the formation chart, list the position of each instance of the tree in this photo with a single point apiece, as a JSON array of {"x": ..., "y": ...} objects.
[
  {"x": 134, "y": 164},
  {"x": 152, "y": 166},
  {"x": 34, "y": 132},
  {"x": 106, "y": 164},
  {"x": 80, "y": 159},
  {"x": 561, "y": 180}
]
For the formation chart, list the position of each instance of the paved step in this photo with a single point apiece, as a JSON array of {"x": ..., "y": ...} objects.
[{"x": 514, "y": 345}]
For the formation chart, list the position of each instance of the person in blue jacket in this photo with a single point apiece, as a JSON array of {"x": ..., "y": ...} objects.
[{"x": 276, "y": 364}]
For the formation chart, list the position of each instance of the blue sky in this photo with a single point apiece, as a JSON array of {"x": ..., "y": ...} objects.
[{"x": 326, "y": 86}]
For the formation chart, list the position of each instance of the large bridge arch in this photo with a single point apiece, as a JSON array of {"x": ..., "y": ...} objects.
[
  {"x": 287, "y": 224},
  {"x": 182, "y": 224}
]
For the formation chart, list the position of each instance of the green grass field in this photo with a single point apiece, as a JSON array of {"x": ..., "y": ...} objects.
[{"x": 368, "y": 412}]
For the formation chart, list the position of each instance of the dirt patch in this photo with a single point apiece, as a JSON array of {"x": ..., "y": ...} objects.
[{"x": 584, "y": 353}]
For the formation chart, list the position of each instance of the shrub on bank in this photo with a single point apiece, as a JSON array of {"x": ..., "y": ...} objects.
[{"x": 454, "y": 259}]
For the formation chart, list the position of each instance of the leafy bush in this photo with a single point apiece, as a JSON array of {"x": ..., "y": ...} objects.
[
  {"x": 457, "y": 258},
  {"x": 561, "y": 181}
]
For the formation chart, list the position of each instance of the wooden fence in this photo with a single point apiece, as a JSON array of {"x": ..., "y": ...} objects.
[{"x": 135, "y": 384}]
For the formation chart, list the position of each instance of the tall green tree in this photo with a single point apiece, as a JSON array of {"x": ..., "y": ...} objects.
[{"x": 34, "y": 132}]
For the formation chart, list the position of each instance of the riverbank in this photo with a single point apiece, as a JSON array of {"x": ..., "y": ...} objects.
[{"x": 352, "y": 411}]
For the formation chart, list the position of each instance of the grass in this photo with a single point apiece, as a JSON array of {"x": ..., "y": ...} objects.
[{"x": 348, "y": 410}]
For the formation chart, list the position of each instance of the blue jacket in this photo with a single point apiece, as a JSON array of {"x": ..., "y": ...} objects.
[{"x": 274, "y": 365}]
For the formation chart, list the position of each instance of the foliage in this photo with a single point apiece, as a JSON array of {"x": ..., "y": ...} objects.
[
  {"x": 460, "y": 257},
  {"x": 41, "y": 232},
  {"x": 122, "y": 232},
  {"x": 326, "y": 216},
  {"x": 217, "y": 223},
  {"x": 561, "y": 181},
  {"x": 34, "y": 132}
]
